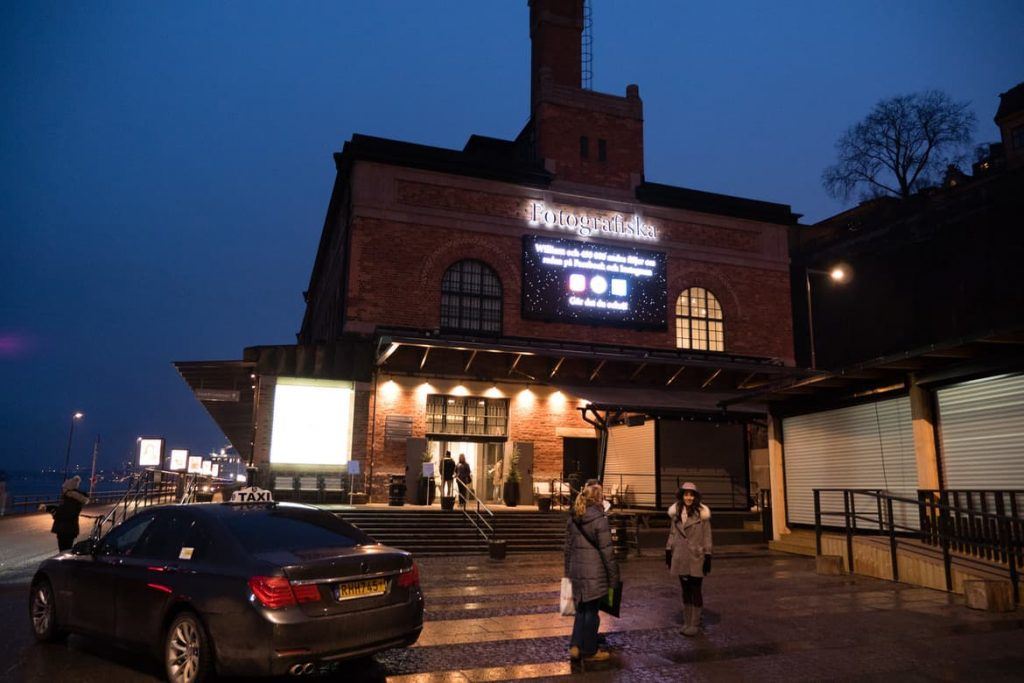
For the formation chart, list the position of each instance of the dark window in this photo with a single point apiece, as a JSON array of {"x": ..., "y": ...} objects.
[
  {"x": 471, "y": 299},
  {"x": 467, "y": 415},
  {"x": 602, "y": 150},
  {"x": 121, "y": 541},
  {"x": 303, "y": 532},
  {"x": 584, "y": 147},
  {"x": 1017, "y": 137},
  {"x": 165, "y": 537},
  {"x": 699, "y": 323}
]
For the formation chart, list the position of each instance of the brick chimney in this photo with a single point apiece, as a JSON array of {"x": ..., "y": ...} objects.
[
  {"x": 556, "y": 31},
  {"x": 585, "y": 137}
]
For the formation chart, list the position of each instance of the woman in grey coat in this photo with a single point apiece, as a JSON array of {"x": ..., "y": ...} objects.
[
  {"x": 688, "y": 553},
  {"x": 590, "y": 564}
]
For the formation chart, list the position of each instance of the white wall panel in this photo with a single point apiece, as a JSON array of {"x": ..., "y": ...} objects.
[
  {"x": 868, "y": 446},
  {"x": 629, "y": 460},
  {"x": 981, "y": 425}
]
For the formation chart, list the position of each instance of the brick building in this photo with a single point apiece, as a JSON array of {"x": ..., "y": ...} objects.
[{"x": 535, "y": 296}]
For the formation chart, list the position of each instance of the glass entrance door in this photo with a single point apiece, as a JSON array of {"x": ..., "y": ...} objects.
[{"x": 482, "y": 459}]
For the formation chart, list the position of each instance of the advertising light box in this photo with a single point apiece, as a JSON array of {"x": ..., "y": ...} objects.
[
  {"x": 195, "y": 464},
  {"x": 207, "y": 468},
  {"x": 179, "y": 459},
  {"x": 312, "y": 423},
  {"x": 582, "y": 282},
  {"x": 151, "y": 452}
]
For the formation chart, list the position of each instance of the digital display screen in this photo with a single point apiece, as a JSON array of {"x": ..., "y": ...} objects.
[
  {"x": 179, "y": 459},
  {"x": 151, "y": 452},
  {"x": 583, "y": 282}
]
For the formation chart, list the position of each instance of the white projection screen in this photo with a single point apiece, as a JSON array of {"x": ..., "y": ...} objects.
[{"x": 312, "y": 422}]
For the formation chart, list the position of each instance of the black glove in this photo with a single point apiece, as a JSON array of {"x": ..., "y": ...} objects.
[
  {"x": 707, "y": 565},
  {"x": 668, "y": 557}
]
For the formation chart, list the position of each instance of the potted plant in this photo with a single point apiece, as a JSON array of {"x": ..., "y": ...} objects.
[
  {"x": 510, "y": 491},
  {"x": 425, "y": 490}
]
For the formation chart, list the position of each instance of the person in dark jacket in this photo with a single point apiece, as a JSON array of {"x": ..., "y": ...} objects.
[
  {"x": 590, "y": 565},
  {"x": 65, "y": 517},
  {"x": 447, "y": 475},
  {"x": 464, "y": 476},
  {"x": 688, "y": 552}
]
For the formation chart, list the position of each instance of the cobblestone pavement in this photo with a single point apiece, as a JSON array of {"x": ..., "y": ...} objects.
[{"x": 767, "y": 617}]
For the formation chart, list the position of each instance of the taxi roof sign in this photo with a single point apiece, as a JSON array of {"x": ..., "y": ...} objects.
[{"x": 252, "y": 494}]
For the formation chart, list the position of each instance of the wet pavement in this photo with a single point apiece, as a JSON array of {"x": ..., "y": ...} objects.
[{"x": 767, "y": 616}]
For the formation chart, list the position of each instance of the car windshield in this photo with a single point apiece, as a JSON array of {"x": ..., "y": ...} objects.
[{"x": 304, "y": 532}]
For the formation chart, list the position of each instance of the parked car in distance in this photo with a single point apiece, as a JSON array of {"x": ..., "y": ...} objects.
[{"x": 236, "y": 589}]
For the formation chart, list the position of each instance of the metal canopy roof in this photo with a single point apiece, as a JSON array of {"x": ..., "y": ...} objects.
[
  {"x": 964, "y": 358},
  {"x": 641, "y": 378},
  {"x": 219, "y": 379}
]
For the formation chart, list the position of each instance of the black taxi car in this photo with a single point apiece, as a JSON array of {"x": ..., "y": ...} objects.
[{"x": 247, "y": 590}]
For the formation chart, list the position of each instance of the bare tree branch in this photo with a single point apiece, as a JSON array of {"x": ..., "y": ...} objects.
[{"x": 901, "y": 146}]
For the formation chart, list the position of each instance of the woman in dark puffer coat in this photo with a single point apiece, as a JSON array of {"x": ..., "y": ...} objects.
[
  {"x": 590, "y": 564},
  {"x": 65, "y": 517}
]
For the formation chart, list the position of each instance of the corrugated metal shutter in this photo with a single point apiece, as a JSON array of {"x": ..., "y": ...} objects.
[
  {"x": 982, "y": 429},
  {"x": 868, "y": 446},
  {"x": 629, "y": 461}
]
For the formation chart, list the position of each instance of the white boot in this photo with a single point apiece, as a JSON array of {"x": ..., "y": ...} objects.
[
  {"x": 687, "y": 609},
  {"x": 692, "y": 627}
]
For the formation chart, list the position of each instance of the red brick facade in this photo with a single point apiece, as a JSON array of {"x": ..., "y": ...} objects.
[{"x": 408, "y": 227}]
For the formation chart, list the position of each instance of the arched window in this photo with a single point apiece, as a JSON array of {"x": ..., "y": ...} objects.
[
  {"x": 699, "y": 321},
  {"x": 471, "y": 298}
]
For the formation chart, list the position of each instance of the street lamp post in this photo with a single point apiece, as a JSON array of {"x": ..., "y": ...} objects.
[
  {"x": 71, "y": 433},
  {"x": 838, "y": 274}
]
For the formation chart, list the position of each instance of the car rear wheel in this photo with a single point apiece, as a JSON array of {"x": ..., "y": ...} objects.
[
  {"x": 43, "y": 612},
  {"x": 188, "y": 655}
]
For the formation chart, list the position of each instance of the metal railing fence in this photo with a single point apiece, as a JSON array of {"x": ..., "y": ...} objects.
[{"x": 997, "y": 536}]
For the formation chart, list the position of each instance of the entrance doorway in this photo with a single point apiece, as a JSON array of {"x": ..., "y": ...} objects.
[
  {"x": 482, "y": 458},
  {"x": 579, "y": 460}
]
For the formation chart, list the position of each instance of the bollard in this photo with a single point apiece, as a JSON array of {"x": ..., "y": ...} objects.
[{"x": 497, "y": 549}]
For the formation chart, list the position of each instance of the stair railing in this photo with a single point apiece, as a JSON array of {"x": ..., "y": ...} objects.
[
  {"x": 143, "y": 491},
  {"x": 480, "y": 523},
  {"x": 995, "y": 536}
]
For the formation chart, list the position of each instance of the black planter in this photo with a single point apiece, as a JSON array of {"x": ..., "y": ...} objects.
[
  {"x": 511, "y": 493},
  {"x": 544, "y": 504},
  {"x": 396, "y": 490},
  {"x": 447, "y": 502},
  {"x": 425, "y": 491}
]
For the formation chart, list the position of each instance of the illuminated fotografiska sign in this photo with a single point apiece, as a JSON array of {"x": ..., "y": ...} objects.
[
  {"x": 582, "y": 282},
  {"x": 592, "y": 224}
]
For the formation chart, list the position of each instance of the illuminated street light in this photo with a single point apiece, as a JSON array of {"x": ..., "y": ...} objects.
[
  {"x": 71, "y": 432},
  {"x": 838, "y": 274}
]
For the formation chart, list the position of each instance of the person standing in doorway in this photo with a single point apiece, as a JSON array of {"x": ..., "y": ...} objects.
[
  {"x": 447, "y": 475},
  {"x": 465, "y": 478},
  {"x": 65, "y": 516},
  {"x": 497, "y": 475},
  {"x": 688, "y": 553}
]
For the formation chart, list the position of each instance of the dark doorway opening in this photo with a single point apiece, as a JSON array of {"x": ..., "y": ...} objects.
[{"x": 579, "y": 460}]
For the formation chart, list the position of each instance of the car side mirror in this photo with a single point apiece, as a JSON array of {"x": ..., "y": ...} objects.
[{"x": 86, "y": 547}]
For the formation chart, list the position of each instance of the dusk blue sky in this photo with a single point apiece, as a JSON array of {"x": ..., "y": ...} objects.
[{"x": 165, "y": 167}]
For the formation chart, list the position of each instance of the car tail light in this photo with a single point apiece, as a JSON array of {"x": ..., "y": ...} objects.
[
  {"x": 306, "y": 593},
  {"x": 276, "y": 592},
  {"x": 272, "y": 591},
  {"x": 410, "y": 578}
]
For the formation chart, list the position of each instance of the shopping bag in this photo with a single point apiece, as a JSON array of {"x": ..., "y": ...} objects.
[
  {"x": 612, "y": 601},
  {"x": 566, "y": 605}
]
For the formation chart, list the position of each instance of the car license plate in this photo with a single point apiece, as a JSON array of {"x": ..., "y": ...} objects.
[{"x": 351, "y": 590}]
